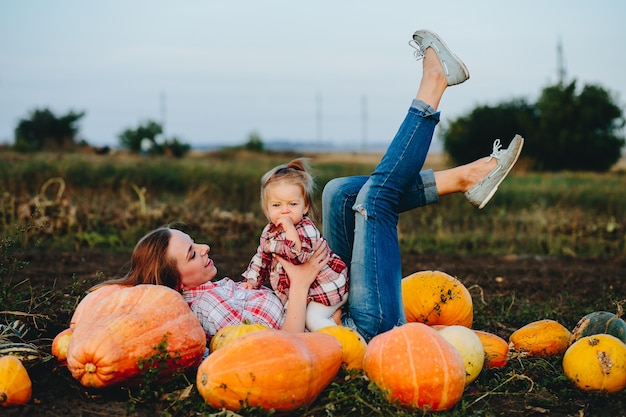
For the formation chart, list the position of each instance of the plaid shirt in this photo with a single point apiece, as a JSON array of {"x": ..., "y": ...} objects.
[
  {"x": 225, "y": 302},
  {"x": 331, "y": 285}
]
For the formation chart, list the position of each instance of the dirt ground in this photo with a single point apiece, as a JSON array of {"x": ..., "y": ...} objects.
[{"x": 528, "y": 277}]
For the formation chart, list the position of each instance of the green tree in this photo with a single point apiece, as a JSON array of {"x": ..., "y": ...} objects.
[
  {"x": 255, "y": 143},
  {"x": 563, "y": 130},
  {"x": 576, "y": 132},
  {"x": 147, "y": 133},
  {"x": 469, "y": 137},
  {"x": 43, "y": 130}
]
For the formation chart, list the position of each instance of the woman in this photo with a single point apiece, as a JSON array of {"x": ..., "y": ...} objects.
[{"x": 360, "y": 219}]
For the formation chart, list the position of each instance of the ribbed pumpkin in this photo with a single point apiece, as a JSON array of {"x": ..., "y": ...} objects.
[
  {"x": 229, "y": 333},
  {"x": 270, "y": 369},
  {"x": 599, "y": 322},
  {"x": 91, "y": 299},
  {"x": 597, "y": 363},
  {"x": 353, "y": 345},
  {"x": 542, "y": 338},
  {"x": 60, "y": 344},
  {"x": 434, "y": 297},
  {"x": 414, "y": 365},
  {"x": 469, "y": 346},
  {"x": 129, "y": 326},
  {"x": 496, "y": 349},
  {"x": 15, "y": 384}
]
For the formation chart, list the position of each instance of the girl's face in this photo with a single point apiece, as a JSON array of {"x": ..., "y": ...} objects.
[
  {"x": 192, "y": 260},
  {"x": 285, "y": 200}
]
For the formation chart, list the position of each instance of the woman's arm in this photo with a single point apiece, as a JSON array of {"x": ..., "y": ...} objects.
[{"x": 301, "y": 277}]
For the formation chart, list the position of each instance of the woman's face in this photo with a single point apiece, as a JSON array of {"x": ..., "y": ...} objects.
[{"x": 192, "y": 260}]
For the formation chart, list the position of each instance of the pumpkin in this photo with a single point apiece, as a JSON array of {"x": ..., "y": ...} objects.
[
  {"x": 15, "y": 385},
  {"x": 414, "y": 365},
  {"x": 599, "y": 322},
  {"x": 117, "y": 335},
  {"x": 92, "y": 298},
  {"x": 60, "y": 344},
  {"x": 270, "y": 369},
  {"x": 469, "y": 346},
  {"x": 229, "y": 333},
  {"x": 434, "y": 297},
  {"x": 597, "y": 363},
  {"x": 496, "y": 349},
  {"x": 352, "y": 345},
  {"x": 542, "y": 338}
]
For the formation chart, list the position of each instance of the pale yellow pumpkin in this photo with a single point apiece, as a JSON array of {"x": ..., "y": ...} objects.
[
  {"x": 469, "y": 346},
  {"x": 436, "y": 298}
]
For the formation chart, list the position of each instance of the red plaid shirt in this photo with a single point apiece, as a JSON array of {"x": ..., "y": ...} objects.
[
  {"x": 225, "y": 302},
  {"x": 331, "y": 285}
]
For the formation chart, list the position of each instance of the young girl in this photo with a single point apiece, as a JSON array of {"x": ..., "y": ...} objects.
[{"x": 286, "y": 199}]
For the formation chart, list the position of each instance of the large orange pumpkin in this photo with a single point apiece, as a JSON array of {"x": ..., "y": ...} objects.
[
  {"x": 414, "y": 365},
  {"x": 15, "y": 385},
  {"x": 129, "y": 326},
  {"x": 270, "y": 369},
  {"x": 434, "y": 297},
  {"x": 542, "y": 338},
  {"x": 597, "y": 363}
]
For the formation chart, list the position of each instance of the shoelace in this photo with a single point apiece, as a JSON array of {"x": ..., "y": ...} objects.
[
  {"x": 418, "y": 53},
  {"x": 495, "y": 153}
]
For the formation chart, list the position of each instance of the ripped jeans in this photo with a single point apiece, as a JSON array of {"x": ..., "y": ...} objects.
[{"x": 361, "y": 217}]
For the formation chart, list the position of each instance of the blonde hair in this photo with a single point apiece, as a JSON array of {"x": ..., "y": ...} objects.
[
  {"x": 296, "y": 172},
  {"x": 149, "y": 262}
]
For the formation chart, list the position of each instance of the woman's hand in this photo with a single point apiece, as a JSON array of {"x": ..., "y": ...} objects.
[
  {"x": 304, "y": 274},
  {"x": 301, "y": 277}
]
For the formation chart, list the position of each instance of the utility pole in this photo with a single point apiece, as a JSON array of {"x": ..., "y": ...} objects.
[{"x": 561, "y": 71}]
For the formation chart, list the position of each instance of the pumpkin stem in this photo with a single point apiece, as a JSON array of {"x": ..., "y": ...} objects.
[
  {"x": 3, "y": 397},
  {"x": 90, "y": 368}
]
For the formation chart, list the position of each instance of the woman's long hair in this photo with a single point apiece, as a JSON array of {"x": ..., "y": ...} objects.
[{"x": 149, "y": 262}]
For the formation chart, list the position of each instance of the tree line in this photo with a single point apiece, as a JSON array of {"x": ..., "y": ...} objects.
[{"x": 565, "y": 129}]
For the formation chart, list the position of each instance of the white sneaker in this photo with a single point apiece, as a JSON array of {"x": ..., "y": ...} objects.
[
  {"x": 455, "y": 70},
  {"x": 480, "y": 194}
]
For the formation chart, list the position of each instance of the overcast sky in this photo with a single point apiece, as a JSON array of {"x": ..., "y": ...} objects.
[{"x": 323, "y": 71}]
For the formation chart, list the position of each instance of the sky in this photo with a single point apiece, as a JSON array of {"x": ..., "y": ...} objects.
[{"x": 324, "y": 72}]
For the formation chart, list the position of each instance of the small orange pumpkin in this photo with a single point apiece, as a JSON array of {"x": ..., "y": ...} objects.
[
  {"x": 597, "y": 363},
  {"x": 542, "y": 338},
  {"x": 414, "y": 365},
  {"x": 229, "y": 333},
  {"x": 496, "y": 349},
  {"x": 60, "y": 344},
  {"x": 434, "y": 297},
  {"x": 353, "y": 345},
  {"x": 15, "y": 385},
  {"x": 129, "y": 325},
  {"x": 270, "y": 369}
]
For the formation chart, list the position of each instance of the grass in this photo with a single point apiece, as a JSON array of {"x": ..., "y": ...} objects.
[{"x": 110, "y": 201}]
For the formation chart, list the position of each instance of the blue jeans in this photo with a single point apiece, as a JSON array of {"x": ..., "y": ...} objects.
[{"x": 361, "y": 217}]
